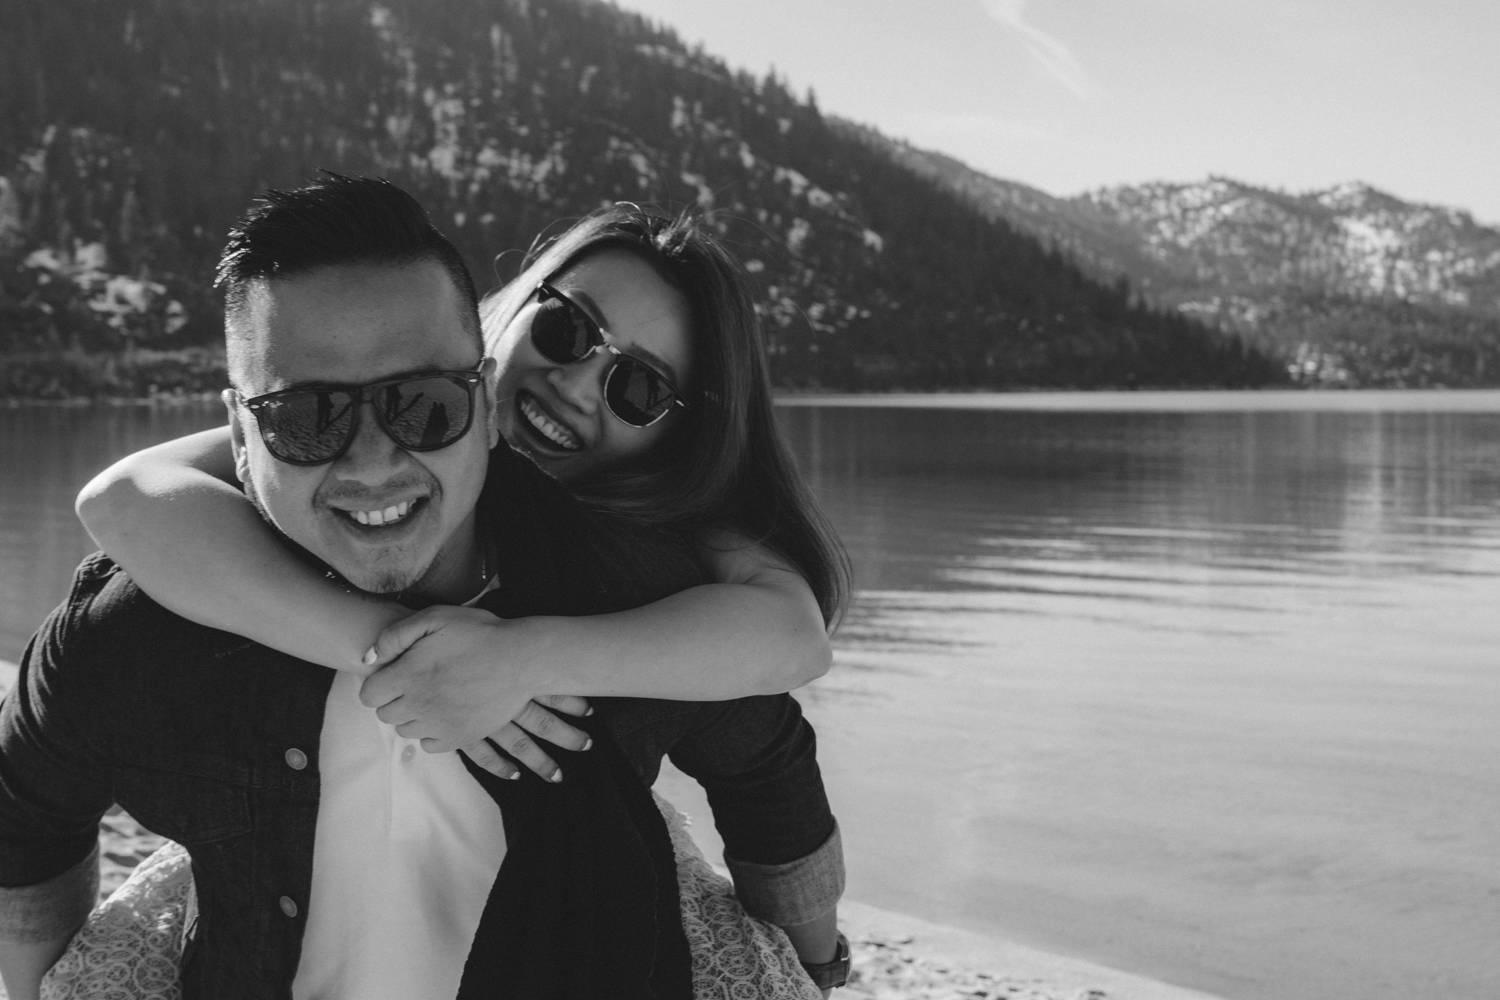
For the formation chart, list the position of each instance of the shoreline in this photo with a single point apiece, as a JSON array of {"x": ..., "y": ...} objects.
[
  {"x": 1057, "y": 400},
  {"x": 901, "y": 957},
  {"x": 898, "y": 956},
  {"x": 1165, "y": 400},
  {"x": 895, "y": 956},
  {"x": 163, "y": 399}
]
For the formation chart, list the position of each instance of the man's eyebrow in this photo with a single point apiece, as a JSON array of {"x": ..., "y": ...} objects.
[
  {"x": 326, "y": 384},
  {"x": 311, "y": 384},
  {"x": 591, "y": 307}
]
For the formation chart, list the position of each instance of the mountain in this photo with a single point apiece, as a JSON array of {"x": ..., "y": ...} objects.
[
  {"x": 132, "y": 134},
  {"x": 1223, "y": 236},
  {"x": 1353, "y": 285}
]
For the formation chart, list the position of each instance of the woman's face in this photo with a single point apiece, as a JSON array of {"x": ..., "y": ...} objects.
[{"x": 555, "y": 413}]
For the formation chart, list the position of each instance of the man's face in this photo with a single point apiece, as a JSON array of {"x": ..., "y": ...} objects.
[{"x": 354, "y": 324}]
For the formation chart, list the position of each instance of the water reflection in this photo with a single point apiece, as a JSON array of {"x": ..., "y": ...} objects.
[
  {"x": 1387, "y": 492},
  {"x": 46, "y": 455},
  {"x": 1177, "y": 691},
  {"x": 1154, "y": 508}
]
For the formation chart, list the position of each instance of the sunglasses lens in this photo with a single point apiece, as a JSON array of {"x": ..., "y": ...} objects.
[
  {"x": 306, "y": 428},
  {"x": 426, "y": 413},
  {"x": 636, "y": 393},
  {"x": 562, "y": 332}
]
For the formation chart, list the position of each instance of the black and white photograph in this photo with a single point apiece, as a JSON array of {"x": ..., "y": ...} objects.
[{"x": 708, "y": 500}]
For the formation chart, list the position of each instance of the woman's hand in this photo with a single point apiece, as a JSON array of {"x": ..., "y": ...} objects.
[{"x": 457, "y": 675}]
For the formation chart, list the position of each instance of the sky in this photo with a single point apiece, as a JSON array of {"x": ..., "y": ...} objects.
[{"x": 1070, "y": 95}]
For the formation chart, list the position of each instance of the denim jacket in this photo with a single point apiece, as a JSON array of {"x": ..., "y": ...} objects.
[{"x": 212, "y": 741}]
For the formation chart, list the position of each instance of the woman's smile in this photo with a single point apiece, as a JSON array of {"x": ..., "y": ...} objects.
[{"x": 543, "y": 425}]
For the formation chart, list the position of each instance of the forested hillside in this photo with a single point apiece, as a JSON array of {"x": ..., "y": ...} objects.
[
  {"x": 133, "y": 132},
  {"x": 1355, "y": 286}
]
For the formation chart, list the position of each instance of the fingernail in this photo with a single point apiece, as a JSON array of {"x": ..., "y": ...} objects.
[
  {"x": 369, "y": 656},
  {"x": 587, "y": 744},
  {"x": 590, "y": 711},
  {"x": 556, "y": 776},
  {"x": 513, "y": 776}
]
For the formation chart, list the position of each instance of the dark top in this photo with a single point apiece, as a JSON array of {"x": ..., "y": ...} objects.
[{"x": 191, "y": 730}]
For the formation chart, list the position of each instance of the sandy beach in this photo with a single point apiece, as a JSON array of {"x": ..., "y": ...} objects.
[
  {"x": 899, "y": 957},
  {"x": 896, "y": 957}
]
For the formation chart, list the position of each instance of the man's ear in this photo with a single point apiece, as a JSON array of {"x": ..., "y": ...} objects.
[
  {"x": 231, "y": 400},
  {"x": 489, "y": 371}
]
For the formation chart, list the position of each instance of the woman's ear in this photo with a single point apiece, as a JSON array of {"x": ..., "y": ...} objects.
[{"x": 231, "y": 400}]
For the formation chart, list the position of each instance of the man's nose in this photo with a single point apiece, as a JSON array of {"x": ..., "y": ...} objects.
[
  {"x": 582, "y": 384},
  {"x": 372, "y": 456}
]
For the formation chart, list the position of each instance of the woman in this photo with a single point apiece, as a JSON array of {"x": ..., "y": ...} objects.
[{"x": 630, "y": 368}]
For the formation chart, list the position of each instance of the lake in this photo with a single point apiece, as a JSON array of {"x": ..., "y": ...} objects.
[{"x": 1203, "y": 686}]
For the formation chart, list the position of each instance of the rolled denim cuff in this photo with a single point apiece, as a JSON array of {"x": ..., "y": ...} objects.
[
  {"x": 796, "y": 892},
  {"x": 52, "y": 909}
]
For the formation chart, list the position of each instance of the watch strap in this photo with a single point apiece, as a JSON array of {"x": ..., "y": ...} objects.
[{"x": 831, "y": 975}]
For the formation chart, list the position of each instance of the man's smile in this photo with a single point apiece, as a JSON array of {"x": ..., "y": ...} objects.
[
  {"x": 389, "y": 515},
  {"x": 383, "y": 521}
]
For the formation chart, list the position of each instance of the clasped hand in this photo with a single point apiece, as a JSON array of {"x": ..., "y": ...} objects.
[{"x": 452, "y": 676}]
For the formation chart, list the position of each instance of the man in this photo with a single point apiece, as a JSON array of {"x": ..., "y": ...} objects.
[{"x": 328, "y": 860}]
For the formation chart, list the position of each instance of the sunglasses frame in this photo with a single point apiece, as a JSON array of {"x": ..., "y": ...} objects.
[
  {"x": 546, "y": 288},
  {"x": 470, "y": 378}
]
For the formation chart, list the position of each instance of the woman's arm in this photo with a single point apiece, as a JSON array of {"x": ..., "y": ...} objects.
[
  {"x": 757, "y": 630},
  {"x": 191, "y": 540},
  {"x": 171, "y": 516}
]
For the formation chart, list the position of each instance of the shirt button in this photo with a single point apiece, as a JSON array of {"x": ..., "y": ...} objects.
[
  {"x": 288, "y": 906},
  {"x": 409, "y": 752},
  {"x": 296, "y": 759}
]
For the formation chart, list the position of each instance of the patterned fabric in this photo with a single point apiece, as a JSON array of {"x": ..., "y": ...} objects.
[
  {"x": 735, "y": 956},
  {"x": 130, "y": 946}
]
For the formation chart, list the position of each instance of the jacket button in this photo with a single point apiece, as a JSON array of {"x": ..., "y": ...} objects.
[
  {"x": 296, "y": 759},
  {"x": 288, "y": 906}
]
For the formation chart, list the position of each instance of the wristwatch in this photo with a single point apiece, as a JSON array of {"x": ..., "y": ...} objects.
[{"x": 830, "y": 975}]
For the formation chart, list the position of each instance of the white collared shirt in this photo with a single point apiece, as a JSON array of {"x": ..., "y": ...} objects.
[{"x": 406, "y": 849}]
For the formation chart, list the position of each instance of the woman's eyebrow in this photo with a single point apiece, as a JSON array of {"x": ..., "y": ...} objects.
[
  {"x": 657, "y": 361},
  {"x": 592, "y": 308},
  {"x": 582, "y": 299}
]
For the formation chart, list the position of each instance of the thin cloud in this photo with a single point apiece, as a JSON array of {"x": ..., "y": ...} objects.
[
  {"x": 980, "y": 126},
  {"x": 1052, "y": 55}
]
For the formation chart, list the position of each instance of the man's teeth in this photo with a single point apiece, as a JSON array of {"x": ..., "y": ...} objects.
[
  {"x": 557, "y": 435},
  {"x": 379, "y": 517}
]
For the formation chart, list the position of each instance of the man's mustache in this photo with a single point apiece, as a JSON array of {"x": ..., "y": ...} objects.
[{"x": 345, "y": 492}]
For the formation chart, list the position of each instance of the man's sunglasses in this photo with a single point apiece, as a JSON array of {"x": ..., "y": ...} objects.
[
  {"x": 315, "y": 425},
  {"x": 564, "y": 334}
]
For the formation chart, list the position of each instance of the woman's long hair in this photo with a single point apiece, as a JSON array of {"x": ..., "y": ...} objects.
[{"x": 725, "y": 466}]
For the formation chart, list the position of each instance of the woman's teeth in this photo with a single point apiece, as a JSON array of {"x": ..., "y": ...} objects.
[
  {"x": 559, "y": 436},
  {"x": 386, "y": 516}
]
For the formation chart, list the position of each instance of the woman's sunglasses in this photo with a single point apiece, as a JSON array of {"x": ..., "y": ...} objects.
[
  {"x": 564, "y": 334},
  {"x": 316, "y": 425}
]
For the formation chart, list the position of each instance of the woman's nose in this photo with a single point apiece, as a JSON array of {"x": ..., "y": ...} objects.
[{"x": 582, "y": 383}]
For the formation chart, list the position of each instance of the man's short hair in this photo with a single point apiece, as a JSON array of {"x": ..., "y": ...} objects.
[{"x": 335, "y": 221}]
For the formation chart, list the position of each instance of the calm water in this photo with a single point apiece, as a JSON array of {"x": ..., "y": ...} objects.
[{"x": 1204, "y": 694}]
